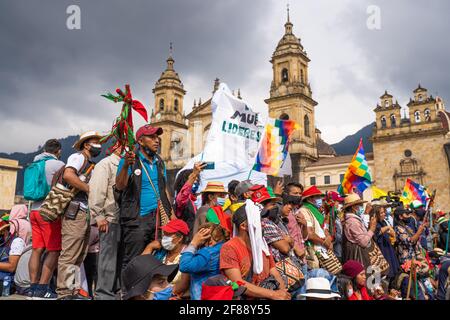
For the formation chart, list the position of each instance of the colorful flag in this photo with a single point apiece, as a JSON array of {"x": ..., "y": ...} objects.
[
  {"x": 413, "y": 191},
  {"x": 274, "y": 147},
  {"x": 358, "y": 173}
]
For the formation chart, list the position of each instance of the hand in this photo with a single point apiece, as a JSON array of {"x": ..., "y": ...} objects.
[
  {"x": 281, "y": 295},
  {"x": 373, "y": 224},
  {"x": 289, "y": 240},
  {"x": 200, "y": 237},
  {"x": 327, "y": 243},
  {"x": 155, "y": 245},
  {"x": 300, "y": 219},
  {"x": 278, "y": 189},
  {"x": 426, "y": 223},
  {"x": 130, "y": 159},
  {"x": 198, "y": 167},
  {"x": 103, "y": 225}
]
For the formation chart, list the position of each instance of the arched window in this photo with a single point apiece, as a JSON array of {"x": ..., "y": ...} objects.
[
  {"x": 306, "y": 126},
  {"x": 386, "y": 103},
  {"x": 393, "y": 121},
  {"x": 161, "y": 104},
  {"x": 427, "y": 115},
  {"x": 176, "y": 105},
  {"x": 284, "y": 116},
  {"x": 420, "y": 97},
  {"x": 417, "y": 116},
  {"x": 284, "y": 75},
  {"x": 383, "y": 122},
  {"x": 302, "y": 79}
]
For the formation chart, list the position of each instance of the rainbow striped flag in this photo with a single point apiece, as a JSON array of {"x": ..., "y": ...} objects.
[
  {"x": 274, "y": 146},
  {"x": 413, "y": 191},
  {"x": 358, "y": 173}
]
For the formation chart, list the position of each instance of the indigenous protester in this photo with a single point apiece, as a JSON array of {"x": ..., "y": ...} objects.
[
  {"x": 105, "y": 215},
  {"x": 356, "y": 238},
  {"x": 238, "y": 264},
  {"x": 243, "y": 191},
  {"x": 147, "y": 278},
  {"x": 319, "y": 289},
  {"x": 201, "y": 258},
  {"x": 276, "y": 235},
  {"x": 417, "y": 219},
  {"x": 75, "y": 222},
  {"x": 46, "y": 236},
  {"x": 358, "y": 290},
  {"x": 186, "y": 187},
  {"x": 232, "y": 198},
  {"x": 319, "y": 240},
  {"x": 90, "y": 263},
  {"x": 384, "y": 237},
  {"x": 141, "y": 180},
  {"x": 408, "y": 244},
  {"x": 366, "y": 216},
  {"x": 169, "y": 249},
  {"x": 14, "y": 237},
  {"x": 212, "y": 196}
]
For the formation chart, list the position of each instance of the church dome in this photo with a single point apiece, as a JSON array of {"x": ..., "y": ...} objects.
[{"x": 169, "y": 78}]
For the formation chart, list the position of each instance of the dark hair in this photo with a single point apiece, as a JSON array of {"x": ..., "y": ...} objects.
[
  {"x": 232, "y": 186},
  {"x": 287, "y": 188},
  {"x": 184, "y": 238},
  {"x": 205, "y": 197},
  {"x": 218, "y": 234},
  {"x": 376, "y": 210},
  {"x": 52, "y": 146},
  {"x": 181, "y": 179}
]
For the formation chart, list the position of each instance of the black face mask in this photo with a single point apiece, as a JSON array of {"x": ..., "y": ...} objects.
[
  {"x": 95, "y": 152},
  {"x": 148, "y": 151}
]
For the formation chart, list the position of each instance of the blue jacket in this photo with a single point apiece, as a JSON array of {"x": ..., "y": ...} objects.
[{"x": 201, "y": 265}]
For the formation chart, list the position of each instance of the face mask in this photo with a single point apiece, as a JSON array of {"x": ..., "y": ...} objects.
[
  {"x": 360, "y": 211},
  {"x": 349, "y": 292},
  {"x": 163, "y": 294},
  {"x": 95, "y": 150},
  {"x": 318, "y": 203},
  {"x": 167, "y": 243},
  {"x": 220, "y": 201},
  {"x": 195, "y": 187},
  {"x": 149, "y": 152}
]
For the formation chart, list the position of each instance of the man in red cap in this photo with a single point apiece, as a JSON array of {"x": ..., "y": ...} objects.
[
  {"x": 141, "y": 178},
  {"x": 318, "y": 236}
]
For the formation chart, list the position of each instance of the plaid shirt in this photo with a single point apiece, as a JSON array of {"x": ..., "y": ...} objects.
[{"x": 273, "y": 232}]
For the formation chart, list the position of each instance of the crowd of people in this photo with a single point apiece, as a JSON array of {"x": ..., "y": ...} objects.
[{"x": 127, "y": 234}]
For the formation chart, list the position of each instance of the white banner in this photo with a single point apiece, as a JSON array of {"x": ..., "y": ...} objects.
[{"x": 236, "y": 131}]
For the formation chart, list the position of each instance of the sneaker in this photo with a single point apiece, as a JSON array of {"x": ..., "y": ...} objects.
[{"x": 44, "y": 295}]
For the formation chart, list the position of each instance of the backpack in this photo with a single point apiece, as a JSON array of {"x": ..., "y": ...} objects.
[{"x": 35, "y": 187}]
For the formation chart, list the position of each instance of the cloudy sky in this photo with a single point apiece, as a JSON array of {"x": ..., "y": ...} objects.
[{"x": 52, "y": 77}]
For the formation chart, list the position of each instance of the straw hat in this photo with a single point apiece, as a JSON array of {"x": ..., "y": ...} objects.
[
  {"x": 214, "y": 187},
  {"x": 86, "y": 136},
  {"x": 352, "y": 199}
]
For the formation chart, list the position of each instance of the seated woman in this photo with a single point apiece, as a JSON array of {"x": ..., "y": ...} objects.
[
  {"x": 168, "y": 251},
  {"x": 147, "y": 278},
  {"x": 201, "y": 258},
  {"x": 15, "y": 231},
  {"x": 356, "y": 272}
]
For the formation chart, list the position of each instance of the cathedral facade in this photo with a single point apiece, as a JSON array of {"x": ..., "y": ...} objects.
[{"x": 415, "y": 146}]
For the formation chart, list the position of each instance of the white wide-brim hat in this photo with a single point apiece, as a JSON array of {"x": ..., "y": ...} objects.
[{"x": 319, "y": 288}]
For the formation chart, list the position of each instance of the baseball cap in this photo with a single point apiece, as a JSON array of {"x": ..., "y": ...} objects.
[
  {"x": 239, "y": 216},
  {"x": 243, "y": 187},
  {"x": 148, "y": 130},
  {"x": 176, "y": 225}
]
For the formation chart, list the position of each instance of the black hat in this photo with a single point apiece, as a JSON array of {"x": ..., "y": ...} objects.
[
  {"x": 401, "y": 210},
  {"x": 239, "y": 216},
  {"x": 420, "y": 213},
  {"x": 139, "y": 273}
]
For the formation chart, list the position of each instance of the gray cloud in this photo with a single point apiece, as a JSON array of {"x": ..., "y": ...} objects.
[{"x": 52, "y": 77}]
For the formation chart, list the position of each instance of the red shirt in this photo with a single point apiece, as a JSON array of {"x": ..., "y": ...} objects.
[
  {"x": 236, "y": 255},
  {"x": 364, "y": 295}
]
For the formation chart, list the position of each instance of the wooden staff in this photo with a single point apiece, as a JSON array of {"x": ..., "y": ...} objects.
[{"x": 410, "y": 278}]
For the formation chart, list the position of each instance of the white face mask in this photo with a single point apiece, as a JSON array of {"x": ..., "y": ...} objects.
[
  {"x": 349, "y": 292},
  {"x": 167, "y": 243}
]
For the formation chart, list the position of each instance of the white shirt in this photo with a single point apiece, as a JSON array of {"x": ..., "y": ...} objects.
[
  {"x": 17, "y": 247},
  {"x": 76, "y": 162}
]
